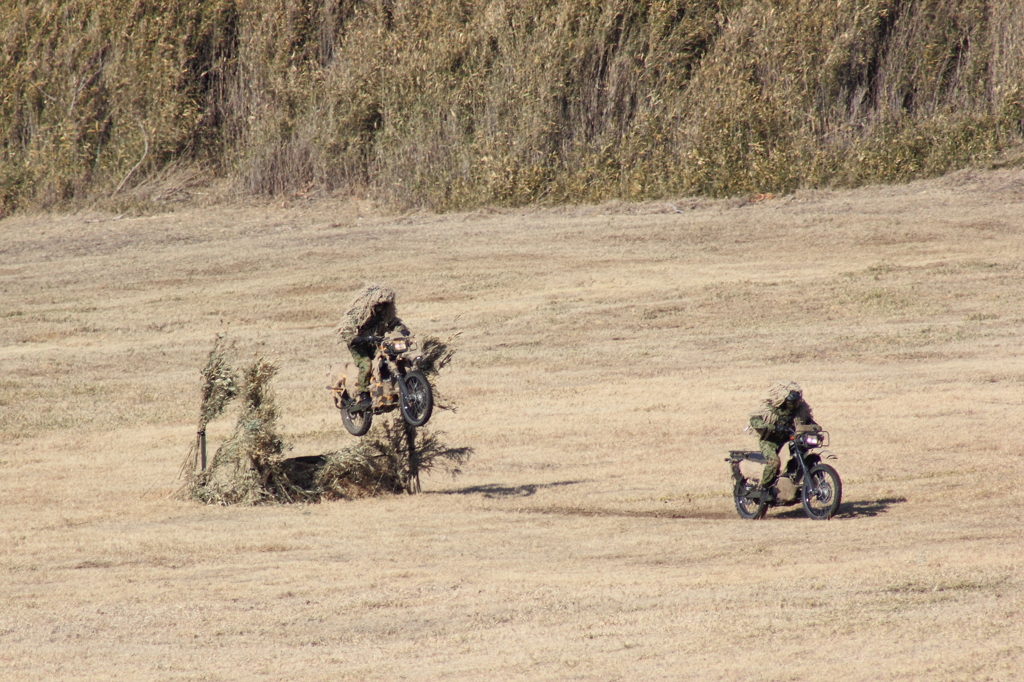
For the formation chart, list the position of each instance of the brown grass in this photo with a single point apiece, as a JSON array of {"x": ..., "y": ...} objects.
[{"x": 609, "y": 357}]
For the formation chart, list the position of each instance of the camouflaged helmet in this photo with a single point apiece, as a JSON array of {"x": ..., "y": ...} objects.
[
  {"x": 780, "y": 392},
  {"x": 362, "y": 306}
]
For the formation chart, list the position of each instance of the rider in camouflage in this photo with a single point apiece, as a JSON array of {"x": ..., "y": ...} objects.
[
  {"x": 781, "y": 412},
  {"x": 372, "y": 313}
]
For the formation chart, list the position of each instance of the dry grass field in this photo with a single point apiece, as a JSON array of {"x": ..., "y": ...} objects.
[{"x": 608, "y": 359}]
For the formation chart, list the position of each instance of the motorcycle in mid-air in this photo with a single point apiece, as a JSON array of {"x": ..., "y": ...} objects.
[
  {"x": 803, "y": 478},
  {"x": 395, "y": 381}
]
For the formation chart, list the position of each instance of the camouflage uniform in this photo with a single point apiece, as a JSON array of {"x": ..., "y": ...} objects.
[
  {"x": 372, "y": 313},
  {"x": 781, "y": 412}
]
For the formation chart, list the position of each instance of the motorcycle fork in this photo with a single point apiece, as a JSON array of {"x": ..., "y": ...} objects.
[
  {"x": 403, "y": 392},
  {"x": 396, "y": 376},
  {"x": 385, "y": 372},
  {"x": 805, "y": 471}
]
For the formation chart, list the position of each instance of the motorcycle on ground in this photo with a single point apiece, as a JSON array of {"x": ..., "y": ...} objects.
[
  {"x": 802, "y": 478},
  {"x": 395, "y": 381}
]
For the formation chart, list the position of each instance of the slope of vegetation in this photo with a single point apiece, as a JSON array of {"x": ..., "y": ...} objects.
[{"x": 455, "y": 103}]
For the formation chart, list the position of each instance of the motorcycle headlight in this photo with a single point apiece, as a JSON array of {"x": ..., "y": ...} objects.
[
  {"x": 400, "y": 345},
  {"x": 813, "y": 440}
]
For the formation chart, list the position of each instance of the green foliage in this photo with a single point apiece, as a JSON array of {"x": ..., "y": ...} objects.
[
  {"x": 435, "y": 356},
  {"x": 248, "y": 467},
  {"x": 452, "y": 103},
  {"x": 387, "y": 460},
  {"x": 220, "y": 385}
]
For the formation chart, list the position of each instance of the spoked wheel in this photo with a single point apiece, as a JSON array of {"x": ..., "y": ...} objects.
[
  {"x": 747, "y": 508},
  {"x": 417, "y": 399},
  {"x": 822, "y": 499},
  {"x": 357, "y": 423}
]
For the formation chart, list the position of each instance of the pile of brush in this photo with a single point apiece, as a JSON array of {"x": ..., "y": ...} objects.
[{"x": 250, "y": 467}]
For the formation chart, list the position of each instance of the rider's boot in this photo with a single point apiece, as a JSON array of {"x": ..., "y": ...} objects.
[
  {"x": 767, "y": 492},
  {"x": 360, "y": 403}
]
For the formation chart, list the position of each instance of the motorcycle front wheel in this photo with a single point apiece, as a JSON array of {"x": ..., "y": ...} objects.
[
  {"x": 357, "y": 423},
  {"x": 821, "y": 500},
  {"x": 417, "y": 399},
  {"x": 747, "y": 508}
]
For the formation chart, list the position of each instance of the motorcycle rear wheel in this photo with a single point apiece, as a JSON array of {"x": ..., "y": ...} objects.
[
  {"x": 747, "y": 508},
  {"x": 822, "y": 501},
  {"x": 418, "y": 399},
  {"x": 357, "y": 423}
]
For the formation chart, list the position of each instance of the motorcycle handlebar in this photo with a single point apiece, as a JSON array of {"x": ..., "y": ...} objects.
[
  {"x": 368, "y": 339},
  {"x": 375, "y": 340}
]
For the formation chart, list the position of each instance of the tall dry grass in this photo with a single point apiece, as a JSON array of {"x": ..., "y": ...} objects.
[{"x": 452, "y": 103}]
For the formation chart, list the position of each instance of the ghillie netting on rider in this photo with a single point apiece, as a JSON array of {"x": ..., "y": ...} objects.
[
  {"x": 777, "y": 393},
  {"x": 250, "y": 467}
]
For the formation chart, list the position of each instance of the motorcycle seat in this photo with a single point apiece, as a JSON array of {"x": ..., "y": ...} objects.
[{"x": 753, "y": 455}]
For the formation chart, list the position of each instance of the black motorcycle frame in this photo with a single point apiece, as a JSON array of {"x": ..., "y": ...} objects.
[{"x": 817, "y": 485}]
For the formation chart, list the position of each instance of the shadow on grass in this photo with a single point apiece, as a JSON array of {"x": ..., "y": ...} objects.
[
  {"x": 493, "y": 490},
  {"x": 850, "y": 510},
  {"x": 628, "y": 513}
]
